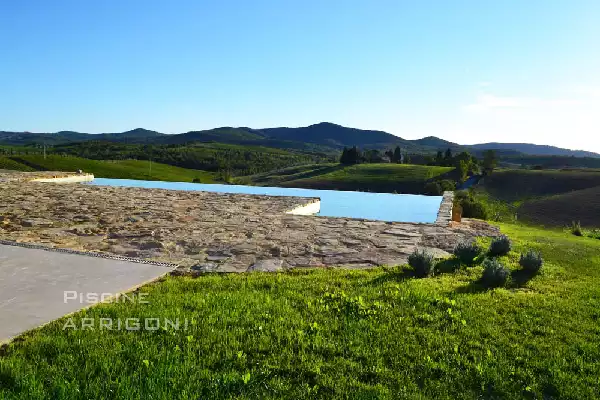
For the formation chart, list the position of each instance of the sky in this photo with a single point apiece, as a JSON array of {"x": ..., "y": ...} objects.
[{"x": 466, "y": 71}]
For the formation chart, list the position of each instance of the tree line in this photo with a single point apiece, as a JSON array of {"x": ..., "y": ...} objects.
[{"x": 465, "y": 163}]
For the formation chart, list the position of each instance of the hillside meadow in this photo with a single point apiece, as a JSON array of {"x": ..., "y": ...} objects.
[
  {"x": 118, "y": 169},
  {"x": 402, "y": 178},
  {"x": 329, "y": 334}
]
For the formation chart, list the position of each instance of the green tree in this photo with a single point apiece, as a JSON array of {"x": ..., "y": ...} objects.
[
  {"x": 448, "y": 156},
  {"x": 489, "y": 161},
  {"x": 463, "y": 170},
  {"x": 397, "y": 155},
  {"x": 344, "y": 156},
  {"x": 439, "y": 158}
]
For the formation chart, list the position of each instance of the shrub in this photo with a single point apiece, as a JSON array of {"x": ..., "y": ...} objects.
[
  {"x": 495, "y": 274},
  {"x": 594, "y": 234},
  {"x": 472, "y": 208},
  {"x": 500, "y": 246},
  {"x": 196, "y": 180},
  {"x": 422, "y": 263},
  {"x": 576, "y": 228},
  {"x": 531, "y": 261},
  {"x": 467, "y": 251},
  {"x": 433, "y": 189},
  {"x": 447, "y": 185}
]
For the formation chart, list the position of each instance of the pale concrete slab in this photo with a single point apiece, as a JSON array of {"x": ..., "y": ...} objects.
[{"x": 33, "y": 282}]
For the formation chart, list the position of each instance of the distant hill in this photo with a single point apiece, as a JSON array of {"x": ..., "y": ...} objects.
[
  {"x": 534, "y": 149},
  {"x": 337, "y": 136},
  {"x": 63, "y": 137},
  {"x": 321, "y": 137}
]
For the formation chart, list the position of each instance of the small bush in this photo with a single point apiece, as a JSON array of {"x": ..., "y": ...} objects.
[
  {"x": 422, "y": 263},
  {"x": 433, "y": 189},
  {"x": 472, "y": 208},
  {"x": 576, "y": 228},
  {"x": 495, "y": 274},
  {"x": 447, "y": 185},
  {"x": 531, "y": 261},
  {"x": 500, "y": 246},
  {"x": 594, "y": 234},
  {"x": 467, "y": 252}
]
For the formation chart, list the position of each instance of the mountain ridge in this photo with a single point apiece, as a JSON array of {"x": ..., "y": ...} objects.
[{"x": 323, "y": 136}]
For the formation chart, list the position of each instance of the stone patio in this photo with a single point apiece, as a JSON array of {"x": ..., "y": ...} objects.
[{"x": 210, "y": 232}]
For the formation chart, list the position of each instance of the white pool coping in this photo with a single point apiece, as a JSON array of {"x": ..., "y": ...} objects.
[
  {"x": 67, "y": 179},
  {"x": 307, "y": 209}
]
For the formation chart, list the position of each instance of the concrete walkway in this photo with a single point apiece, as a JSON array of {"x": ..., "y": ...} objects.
[{"x": 33, "y": 282}]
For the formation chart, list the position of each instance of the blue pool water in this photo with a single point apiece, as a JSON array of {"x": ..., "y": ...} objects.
[{"x": 377, "y": 206}]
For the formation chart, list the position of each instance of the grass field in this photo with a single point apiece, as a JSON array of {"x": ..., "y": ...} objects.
[
  {"x": 121, "y": 169},
  {"x": 337, "y": 334},
  {"x": 363, "y": 177},
  {"x": 8, "y": 163}
]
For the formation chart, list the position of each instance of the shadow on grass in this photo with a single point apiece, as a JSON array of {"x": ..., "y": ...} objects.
[
  {"x": 404, "y": 272},
  {"x": 447, "y": 266},
  {"x": 521, "y": 277},
  {"x": 394, "y": 274},
  {"x": 319, "y": 170},
  {"x": 473, "y": 287}
]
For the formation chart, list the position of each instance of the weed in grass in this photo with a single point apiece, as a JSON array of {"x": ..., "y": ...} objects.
[{"x": 575, "y": 228}]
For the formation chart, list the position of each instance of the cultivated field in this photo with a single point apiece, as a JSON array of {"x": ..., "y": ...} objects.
[
  {"x": 515, "y": 185},
  {"x": 552, "y": 198},
  {"x": 580, "y": 206}
]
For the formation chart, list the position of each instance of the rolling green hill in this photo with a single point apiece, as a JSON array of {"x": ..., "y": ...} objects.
[
  {"x": 401, "y": 178},
  {"x": 120, "y": 169}
]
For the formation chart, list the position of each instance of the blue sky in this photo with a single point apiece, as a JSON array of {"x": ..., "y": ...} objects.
[{"x": 466, "y": 71}]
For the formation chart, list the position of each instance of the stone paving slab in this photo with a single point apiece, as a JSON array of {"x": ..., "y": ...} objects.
[{"x": 33, "y": 282}]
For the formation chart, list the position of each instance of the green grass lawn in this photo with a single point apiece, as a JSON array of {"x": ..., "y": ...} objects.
[
  {"x": 337, "y": 334},
  {"x": 364, "y": 177},
  {"x": 120, "y": 169}
]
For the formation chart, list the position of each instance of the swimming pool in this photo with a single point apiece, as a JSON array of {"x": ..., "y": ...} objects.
[{"x": 376, "y": 206}]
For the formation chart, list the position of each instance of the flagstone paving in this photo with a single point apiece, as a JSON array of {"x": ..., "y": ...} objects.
[{"x": 210, "y": 232}]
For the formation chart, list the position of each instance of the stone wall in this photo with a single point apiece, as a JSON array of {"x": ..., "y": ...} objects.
[{"x": 444, "y": 215}]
